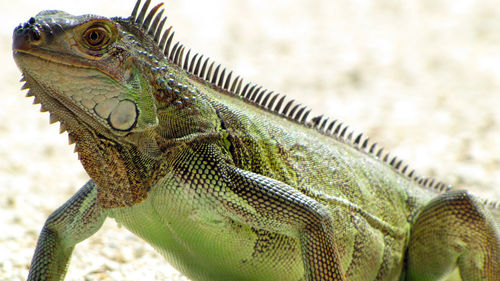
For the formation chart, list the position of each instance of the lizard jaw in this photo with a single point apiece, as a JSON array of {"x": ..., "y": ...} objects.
[{"x": 54, "y": 107}]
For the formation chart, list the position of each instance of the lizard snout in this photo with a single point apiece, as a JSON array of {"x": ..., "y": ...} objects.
[{"x": 27, "y": 35}]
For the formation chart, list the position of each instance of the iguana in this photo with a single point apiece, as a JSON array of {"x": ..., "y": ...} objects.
[{"x": 225, "y": 179}]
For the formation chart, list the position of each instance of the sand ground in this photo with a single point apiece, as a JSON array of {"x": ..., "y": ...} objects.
[{"x": 420, "y": 77}]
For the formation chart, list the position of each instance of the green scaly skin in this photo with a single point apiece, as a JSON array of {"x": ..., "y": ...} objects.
[{"x": 223, "y": 189}]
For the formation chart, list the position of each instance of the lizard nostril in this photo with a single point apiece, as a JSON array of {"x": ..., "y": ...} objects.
[
  {"x": 34, "y": 34},
  {"x": 27, "y": 35}
]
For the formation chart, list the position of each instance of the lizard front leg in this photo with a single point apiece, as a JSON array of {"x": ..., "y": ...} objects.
[
  {"x": 73, "y": 222},
  {"x": 277, "y": 203}
]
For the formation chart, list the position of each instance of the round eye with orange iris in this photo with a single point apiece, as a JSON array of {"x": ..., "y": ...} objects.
[{"x": 96, "y": 37}]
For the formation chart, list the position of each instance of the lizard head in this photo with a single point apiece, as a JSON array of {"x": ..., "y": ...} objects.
[
  {"x": 86, "y": 71},
  {"x": 100, "y": 78}
]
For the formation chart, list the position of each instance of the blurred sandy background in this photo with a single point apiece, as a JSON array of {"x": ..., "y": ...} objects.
[{"x": 420, "y": 77}]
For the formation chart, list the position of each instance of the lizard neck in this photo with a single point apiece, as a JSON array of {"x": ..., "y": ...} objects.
[
  {"x": 125, "y": 169},
  {"x": 123, "y": 172}
]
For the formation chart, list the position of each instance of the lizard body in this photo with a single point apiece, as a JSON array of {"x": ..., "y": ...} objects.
[{"x": 190, "y": 161}]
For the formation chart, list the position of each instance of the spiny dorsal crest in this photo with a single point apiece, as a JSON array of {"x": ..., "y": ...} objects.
[{"x": 208, "y": 70}]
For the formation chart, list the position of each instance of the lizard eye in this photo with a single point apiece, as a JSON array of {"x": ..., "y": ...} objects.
[{"x": 96, "y": 37}]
